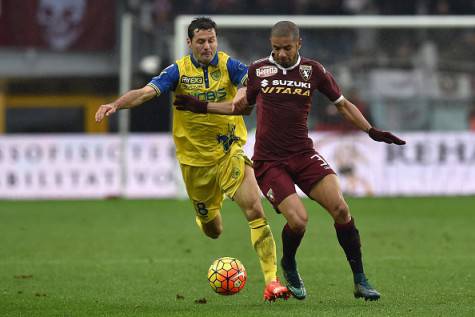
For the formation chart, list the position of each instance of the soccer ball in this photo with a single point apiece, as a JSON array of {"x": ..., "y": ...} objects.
[{"x": 227, "y": 276}]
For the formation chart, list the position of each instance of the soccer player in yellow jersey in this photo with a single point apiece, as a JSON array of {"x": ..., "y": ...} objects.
[{"x": 209, "y": 146}]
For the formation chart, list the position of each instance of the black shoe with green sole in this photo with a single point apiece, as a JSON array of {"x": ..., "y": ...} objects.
[
  {"x": 364, "y": 290},
  {"x": 294, "y": 281}
]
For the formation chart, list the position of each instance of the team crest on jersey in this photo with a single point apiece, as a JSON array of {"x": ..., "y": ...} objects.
[
  {"x": 266, "y": 71},
  {"x": 228, "y": 139},
  {"x": 236, "y": 172},
  {"x": 305, "y": 71},
  {"x": 216, "y": 75}
]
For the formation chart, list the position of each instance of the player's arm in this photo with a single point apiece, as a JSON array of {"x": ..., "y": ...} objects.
[
  {"x": 354, "y": 115},
  {"x": 225, "y": 108},
  {"x": 245, "y": 98},
  {"x": 238, "y": 106},
  {"x": 241, "y": 104},
  {"x": 167, "y": 80},
  {"x": 193, "y": 104},
  {"x": 130, "y": 99},
  {"x": 329, "y": 87}
]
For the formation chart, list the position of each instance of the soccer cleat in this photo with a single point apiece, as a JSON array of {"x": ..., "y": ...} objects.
[
  {"x": 294, "y": 282},
  {"x": 364, "y": 290},
  {"x": 275, "y": 290}
]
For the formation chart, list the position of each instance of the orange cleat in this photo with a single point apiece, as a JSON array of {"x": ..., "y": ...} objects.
[{"x": 275, "y": 290}]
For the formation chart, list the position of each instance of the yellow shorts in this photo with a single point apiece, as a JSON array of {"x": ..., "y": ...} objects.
[{"x": 207, "y": 185}]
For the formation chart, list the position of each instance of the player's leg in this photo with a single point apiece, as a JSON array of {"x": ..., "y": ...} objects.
[
  {"x": 279, "y": 189},
  {"x": 294, "y": 212},
  {"x": 296, "y": 215},
  {"x": 327, "y": 193},
  {"x": 212, "y": 228},
  {"x": 206, "y": 198},
  {"x": 243, "y": 189}
]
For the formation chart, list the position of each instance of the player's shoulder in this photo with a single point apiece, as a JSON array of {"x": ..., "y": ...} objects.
[
  {"x": 183, "y": 59},
  {"x": 171, "y": 71},
  {"x": 311, "y": 61},
  {"x": 171, "y": 67},
  {"x": 316, "y": 65},
  {"x": 229, "y": 60},
  {"x": 223, "y": 55},
  {"x": 262, "y": 62}
]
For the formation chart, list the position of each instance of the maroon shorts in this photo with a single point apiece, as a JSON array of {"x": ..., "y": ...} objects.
[{"x": 277, "y": 179}]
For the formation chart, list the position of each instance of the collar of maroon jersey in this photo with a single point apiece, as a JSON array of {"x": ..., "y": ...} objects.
[{"x": 284, "y": 70}]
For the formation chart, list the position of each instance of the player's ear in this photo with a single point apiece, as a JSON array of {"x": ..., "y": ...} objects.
[
  {"x": 188, "y": 41},
  {"x": 299, "y": 43}
]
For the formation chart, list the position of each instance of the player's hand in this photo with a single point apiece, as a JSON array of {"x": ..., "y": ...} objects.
[
  {"x": 105, "y": 111},
  {"x": 240, "y": 104},
  {"x": 244, "y": 111},
  {"x": 384, "y": 136},
  {"x": 190, "y": 103}
]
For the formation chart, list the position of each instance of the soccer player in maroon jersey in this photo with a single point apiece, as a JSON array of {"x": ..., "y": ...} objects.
[{"x": 282, "y": 86}]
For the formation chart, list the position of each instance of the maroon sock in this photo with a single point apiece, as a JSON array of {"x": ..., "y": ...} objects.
[
  {"x": 290, "y": 242},
  {"x": 349, "y": 239}
]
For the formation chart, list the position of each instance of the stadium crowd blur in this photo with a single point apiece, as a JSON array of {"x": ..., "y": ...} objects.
[{"x": 403, "y": 79}]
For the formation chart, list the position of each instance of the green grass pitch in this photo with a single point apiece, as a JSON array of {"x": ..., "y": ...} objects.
[{"x": 148, "y": 258}]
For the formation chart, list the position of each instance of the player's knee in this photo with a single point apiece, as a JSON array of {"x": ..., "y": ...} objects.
[
  {"x": 341, "y": 212},
  {"x": 302, "y": 224},
  {"x": 254, "y": 210},
  {"x": 214, "y": 234},
  {"x": 213, "y": 231},
  {"x": 299, "y": 224}
]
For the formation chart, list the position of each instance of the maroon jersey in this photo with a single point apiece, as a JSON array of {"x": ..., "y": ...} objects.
[{"x": 283, "y": 97}]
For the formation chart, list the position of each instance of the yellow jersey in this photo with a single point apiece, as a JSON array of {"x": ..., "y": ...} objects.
[{"x": 203, "y": 139}]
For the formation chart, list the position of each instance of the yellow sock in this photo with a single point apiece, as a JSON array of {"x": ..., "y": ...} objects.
[{"x": 264, "y": 244}]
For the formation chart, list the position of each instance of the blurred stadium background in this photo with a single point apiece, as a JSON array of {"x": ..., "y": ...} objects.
[
  {"x": 59, "y": 60},
  {"x": 408, "y": 64}
]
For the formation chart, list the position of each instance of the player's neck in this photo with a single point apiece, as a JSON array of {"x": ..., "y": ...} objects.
[
  {"x": 201, "y": 64},
  {"x": 294, "y": 64}
]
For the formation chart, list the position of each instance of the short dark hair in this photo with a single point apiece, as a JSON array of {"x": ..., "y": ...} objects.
[
  {"x": 285, "y": 28},
  {"x": 201, "y": 23}
]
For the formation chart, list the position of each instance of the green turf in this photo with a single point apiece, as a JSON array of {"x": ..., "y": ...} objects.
[{"x": 132, "y": 258}]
